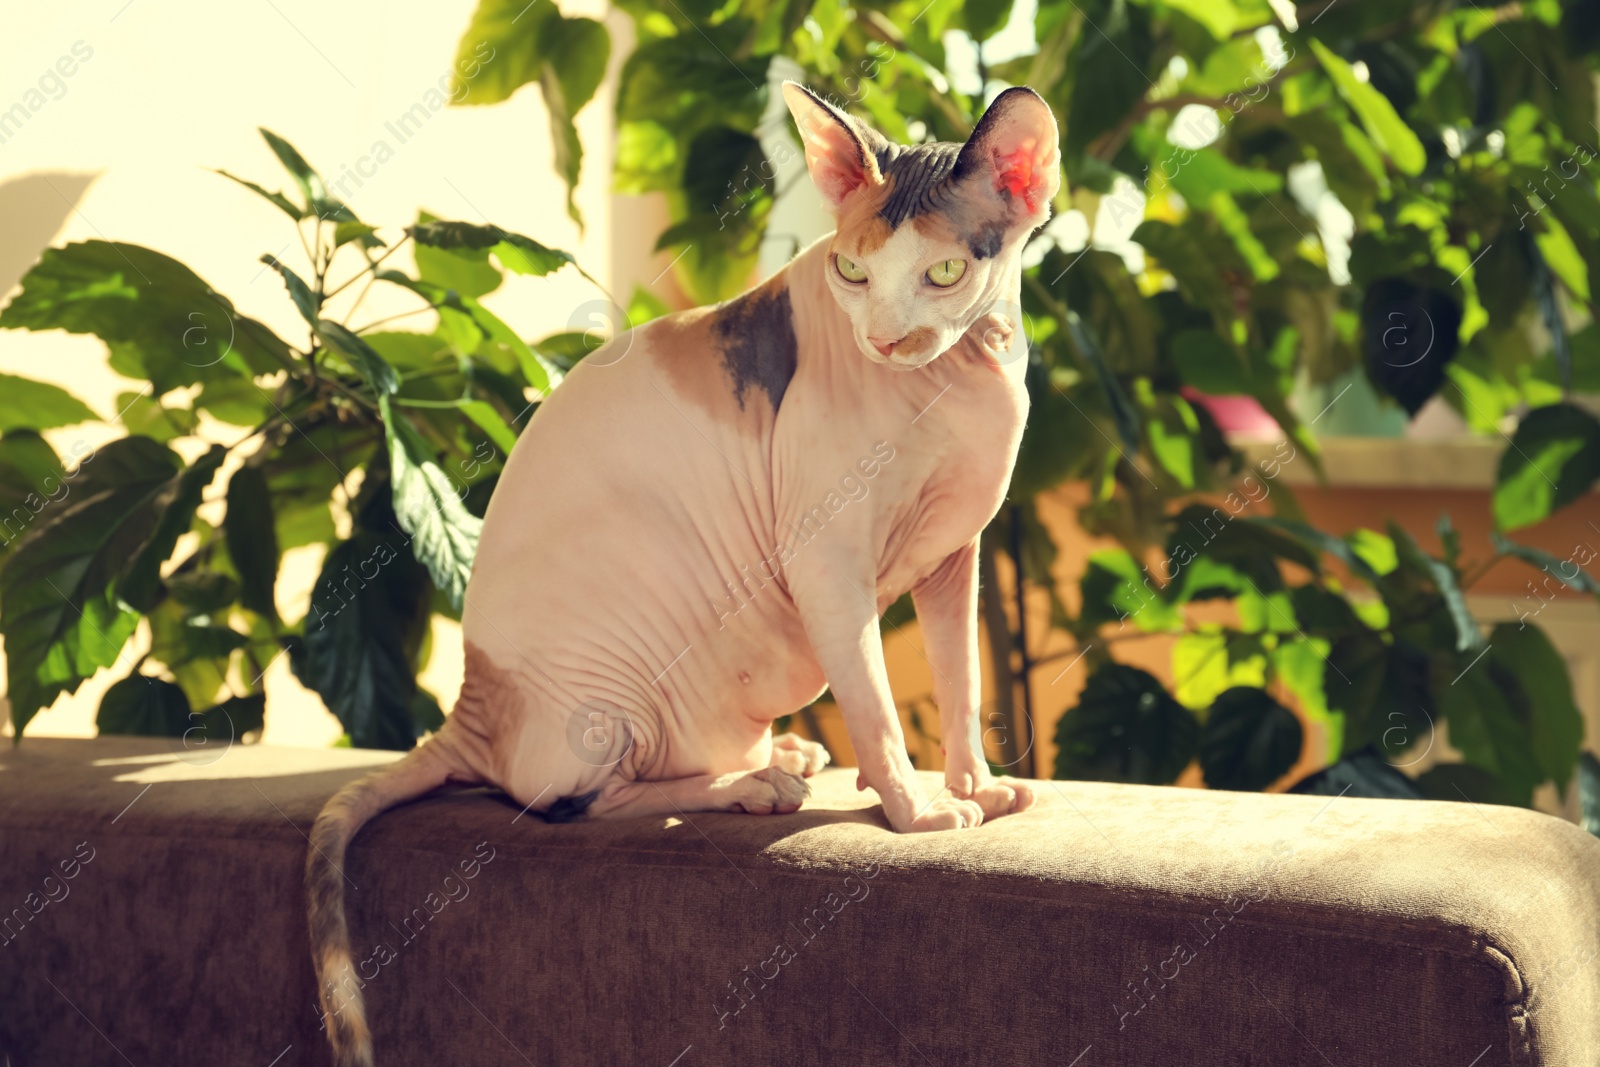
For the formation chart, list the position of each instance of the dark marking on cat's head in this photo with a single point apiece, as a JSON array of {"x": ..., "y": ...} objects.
[
  {"x": 915, "y": 176},
  {"x": 756, "y": 335},
  {"x": 986, "y": 240}
]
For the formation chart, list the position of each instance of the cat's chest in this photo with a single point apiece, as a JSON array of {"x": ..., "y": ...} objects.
[{"x": 960, "y": 450}]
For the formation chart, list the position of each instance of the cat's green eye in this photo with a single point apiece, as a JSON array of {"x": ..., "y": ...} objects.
[
  {"x": 848, "y": 270},
  {"x": 947, "y": 273}
]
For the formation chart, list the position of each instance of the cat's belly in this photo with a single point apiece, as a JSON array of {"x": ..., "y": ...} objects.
[
  {"x": 626, "y": 562},
  {"x": 640, "y": 634}
]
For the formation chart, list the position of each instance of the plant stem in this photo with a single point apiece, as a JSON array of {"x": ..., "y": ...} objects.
[
  {"x": 998, "y": 632},
  {"x": 371, "y": 268},
  {"x": 1467, "y": 581},
  {"x": 400, "y": 315},
  {"x": 362, "y": 295}
]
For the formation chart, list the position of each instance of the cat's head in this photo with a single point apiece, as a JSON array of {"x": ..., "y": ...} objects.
[{"x": 928, "y": 234}]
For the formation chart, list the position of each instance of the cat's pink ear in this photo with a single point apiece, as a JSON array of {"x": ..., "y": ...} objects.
[
  {"x": 1015, "y": 147},
  {"x": 837, "y": 153}
]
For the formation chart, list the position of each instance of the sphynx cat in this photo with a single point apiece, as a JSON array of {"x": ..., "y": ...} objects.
[{"x": 699, "y": 530}]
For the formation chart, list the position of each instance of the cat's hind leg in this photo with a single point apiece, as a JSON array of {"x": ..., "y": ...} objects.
[{"x": 768, "y": 791}]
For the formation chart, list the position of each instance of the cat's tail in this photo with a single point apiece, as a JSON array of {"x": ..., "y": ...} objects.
[{"x": 338, "y": 988}]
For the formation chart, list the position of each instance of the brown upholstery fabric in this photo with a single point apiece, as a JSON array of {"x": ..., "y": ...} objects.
[{"x": 1349, "y": 932}]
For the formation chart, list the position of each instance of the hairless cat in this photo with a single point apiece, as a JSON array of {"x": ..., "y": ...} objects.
[{"x": 701, "y": 527}]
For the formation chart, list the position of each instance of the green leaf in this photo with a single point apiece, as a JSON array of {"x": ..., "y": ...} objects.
[
  {"x": 1319, "y": 611},
  {"x": 1361, "y": 774},
  {"x": 1338, "y": 548},
  {"x": 1209, "y": 364},
  {"x": 1553, "y": 458},
  {"x": 1443, "y": 577},
  {"x": 238, "y": 401},
  {"x": 1382, "y": 691},
  {"x": 1207, "y": 172},
  {"x": 310, "y": 182},
  {"x": 139, "y": 584},
  {"x": 1115, "y": 589},
  {"x": 469, "y": 324},
  {"x": 487, "y": 419},
  {"x": 465, "y": 269},
  {"x": 644, "y": 306},
  {"x": 347, "y": 231},
  {"x": 426, "y": 712},
  {"x": 252, "y": 539},
  {"x": 162, "y": 322},
  {"x": 1566, "y": 571},
  {"x": 139, "y": 704},
  {"x": 1449, "y": 538},
  {"x": 502, "y": 50},
  {"x": 1464, "y": 782},
  {"x": 146, "y": 417},
  {"x": 1089, "y": 351},
  {"x": 180, "y": 641},
  {"x": 1377, "y": 115},
  {"x": 299, "y": 292},
  {"x": 62, "y": 588},
  {"x": 1376, "y": 551},
  {"x": 355, "y": 650},
  {"x": 428, "y": 504},
  {"x": 1249, "y": 740},
  {"x": 223, "y": 724},
  {"x": 1173, "y": 431},
  {"x": 1058, "y": 442},
  {"x": 1219, "y": 17},
  {"x": 1541, "y": 691},
  {"x": 409, "y": 352},
  {"x": 1125, "y": 728},
  {"x": 516, "y": 253},
  {"x": 1301, "y": 667},
  {"x": 1177, "y": 249},
  {"x": 1251, "y": 547},
  {"x": 1589, "y": 793},
  {"x": 1484, "y": 726},
  {"x": 380, "y": 377},
  {"x": 29, "y": 405},
  {"x": 31, "y": 480},
  {"x": 579, "y": 49},
  {"x": 202, "y": 592},
  {"x": 282, "y": 202},
  {"x": 304, "y": 471}
]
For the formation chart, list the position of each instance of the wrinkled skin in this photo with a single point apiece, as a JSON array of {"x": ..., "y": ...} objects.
[{"x": 699, "y": 530}]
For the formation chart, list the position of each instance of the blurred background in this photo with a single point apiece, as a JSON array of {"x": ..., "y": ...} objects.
[{"x": 1306, "y": 498}]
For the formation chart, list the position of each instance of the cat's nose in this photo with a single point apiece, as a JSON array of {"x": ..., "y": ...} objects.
[{"x": 884, "y": 347}]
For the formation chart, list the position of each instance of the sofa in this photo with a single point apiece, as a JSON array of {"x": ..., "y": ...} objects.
[{"x": 154, "y": 915}]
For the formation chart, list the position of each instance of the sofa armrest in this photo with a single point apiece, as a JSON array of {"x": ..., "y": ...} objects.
[{"x": 1110, "y": 925}]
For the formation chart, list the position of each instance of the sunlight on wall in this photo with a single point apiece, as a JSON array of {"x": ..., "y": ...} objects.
[{"x": 114, "y": 112}]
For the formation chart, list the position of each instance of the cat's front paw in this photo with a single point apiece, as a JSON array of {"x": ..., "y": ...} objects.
[
  {"x": 769, "y": 791},
  {"x": 1003, "y": 796},
  {"x": 964, "y": 772},
  {"x": 946, "y": 813},
  {"x": 968, "y": 778},
  {"x": 798, "y": 756}
]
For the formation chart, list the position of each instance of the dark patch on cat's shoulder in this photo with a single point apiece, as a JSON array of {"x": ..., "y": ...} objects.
[
  {"x": 985, "y": 242},
  {"x": 571, "y": 809},
  {"x": 756, "y": 335}
]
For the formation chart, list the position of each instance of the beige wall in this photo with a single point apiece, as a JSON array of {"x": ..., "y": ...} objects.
[{"x": 122, "y": 149}]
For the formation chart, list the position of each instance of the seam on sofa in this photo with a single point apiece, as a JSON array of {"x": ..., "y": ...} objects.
[{"x": 1519, "y": 1020}]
